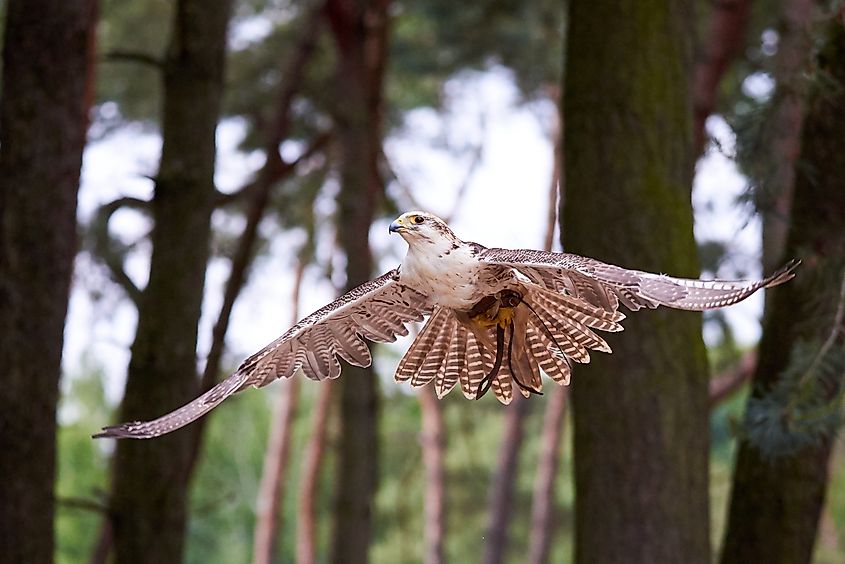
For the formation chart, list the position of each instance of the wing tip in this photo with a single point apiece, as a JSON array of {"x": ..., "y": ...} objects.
[
  {"x": 783, "y": 274},
  {"x": 122, "y": 431}
]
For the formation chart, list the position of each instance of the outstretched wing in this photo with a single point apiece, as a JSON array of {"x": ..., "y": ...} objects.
[
  {"x": 605, "y": 285},
  {"x": 377, "y": 310}
]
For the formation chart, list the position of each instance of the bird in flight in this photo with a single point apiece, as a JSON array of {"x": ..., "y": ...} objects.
[{"x": 496, "y": 319}]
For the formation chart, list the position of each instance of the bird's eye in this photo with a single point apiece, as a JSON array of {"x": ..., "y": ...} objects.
[{"x": 418, "y": 219}]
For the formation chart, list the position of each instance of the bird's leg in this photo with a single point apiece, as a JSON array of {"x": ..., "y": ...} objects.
[
  {"x": 485, "y": 384},
  {"x": 525, "y": 387}
]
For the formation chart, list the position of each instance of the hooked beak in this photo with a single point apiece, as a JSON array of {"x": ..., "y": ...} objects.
[{"x": 396, "y": 226}]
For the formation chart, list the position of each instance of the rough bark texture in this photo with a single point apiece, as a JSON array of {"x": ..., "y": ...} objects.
[
  {"x": 775, "y": 504},
  {"x": 359, "y": 29},
  {"x": 640, "y": 414},
  {"x": 433, "y": 445},
  {"x": 47, "y": 68},
  {"x": 149, "y": 493}
]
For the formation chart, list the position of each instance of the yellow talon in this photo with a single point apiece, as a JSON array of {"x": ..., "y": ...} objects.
[{"x": 503, "y": 318}]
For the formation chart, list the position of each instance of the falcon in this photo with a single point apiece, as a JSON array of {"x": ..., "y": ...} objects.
[{"x": 497, "y": 318}]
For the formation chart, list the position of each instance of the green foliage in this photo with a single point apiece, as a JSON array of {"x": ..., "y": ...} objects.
[
  {"x": 222, "y": 506},
  {"x": 82, "y": 466},
  {"x": 803, "y": 407},
  {"x": 225, "y": 486}
]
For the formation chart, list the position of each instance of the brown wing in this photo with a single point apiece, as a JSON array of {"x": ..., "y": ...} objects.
[
  {"x": 605, "y": 285},
  {"x": 377, "y": 310}
]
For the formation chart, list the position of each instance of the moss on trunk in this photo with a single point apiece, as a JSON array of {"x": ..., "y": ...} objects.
[{"x": 640, "y": 414}]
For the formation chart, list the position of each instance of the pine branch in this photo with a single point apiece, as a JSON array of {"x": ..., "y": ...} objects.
[{"x": 835, "y": 332}]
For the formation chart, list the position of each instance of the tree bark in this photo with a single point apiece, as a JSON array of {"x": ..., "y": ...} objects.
[
  {"x": 640, "y": 414},
  {"x": 775, "y": 504},
  {"x": 47, "y": 74},
  {"x": 433, "y": 444},
  {"x": 306, "y": 533},
  {"x": 359, "y": 29},
  {"x": 149, "y": 493}
]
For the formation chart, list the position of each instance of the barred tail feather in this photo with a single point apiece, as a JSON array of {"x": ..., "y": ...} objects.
[{"x": 413, "y": 359}]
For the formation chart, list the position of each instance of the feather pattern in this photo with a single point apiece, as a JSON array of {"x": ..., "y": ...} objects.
[
  {"x": 312, "y": 345},
  {"x": 605, "y": 285},
  {"x": 498, "y": 318}
]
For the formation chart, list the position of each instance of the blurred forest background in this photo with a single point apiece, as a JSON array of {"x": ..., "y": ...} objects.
[{"x": 242, "y": 159}]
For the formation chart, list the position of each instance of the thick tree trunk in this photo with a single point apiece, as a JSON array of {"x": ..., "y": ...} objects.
[
  {"x": 640, "y": 414},
  {"x": 775, "y": 504},
  {"x": 47, "y": 72},
  {"x": 149, "y": 493},
  {"x": 359, "y": 29}
]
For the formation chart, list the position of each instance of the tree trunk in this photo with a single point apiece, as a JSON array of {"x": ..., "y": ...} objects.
[
  {"x": 359, "y": 29},
  {"x": 725, "y": 40},
  {"x": 271, "y": 490},
  {"x": 543, "y": 500},
  {"x": 504, "y": 481},
  {"x": 781, "y": 139},
  {"x": 47, "y": 75},
  {"x": 149, "y": 493},
  {"x": 640, "y": 414},
  {"x": 433, "y": 444},
  {"x": 775, "y": 504},
  {"x": 306, "y": 532}
]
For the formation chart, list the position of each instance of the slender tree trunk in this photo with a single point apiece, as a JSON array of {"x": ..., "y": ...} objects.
[
  {"x": 543, "y": 501},
  {"x": 782, "y": 130},
  {"x": 306, "y": 533},
  {"x": 433, "y": 444},
  {"x": 359, "y": 29},
  {"x": 776, "y": 504},
  {"x": 271, "y": 490},
  {"x": 47, "y": 72},
  {"x": 725, "y": 40},
  {"x": 640, "y": 414},
  {"x": 504, "y": 481},
  {"x": 149, "y": 494}
]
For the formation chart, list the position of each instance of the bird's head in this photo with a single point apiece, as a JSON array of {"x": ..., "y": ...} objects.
[{"x": 419, "y": 227}]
